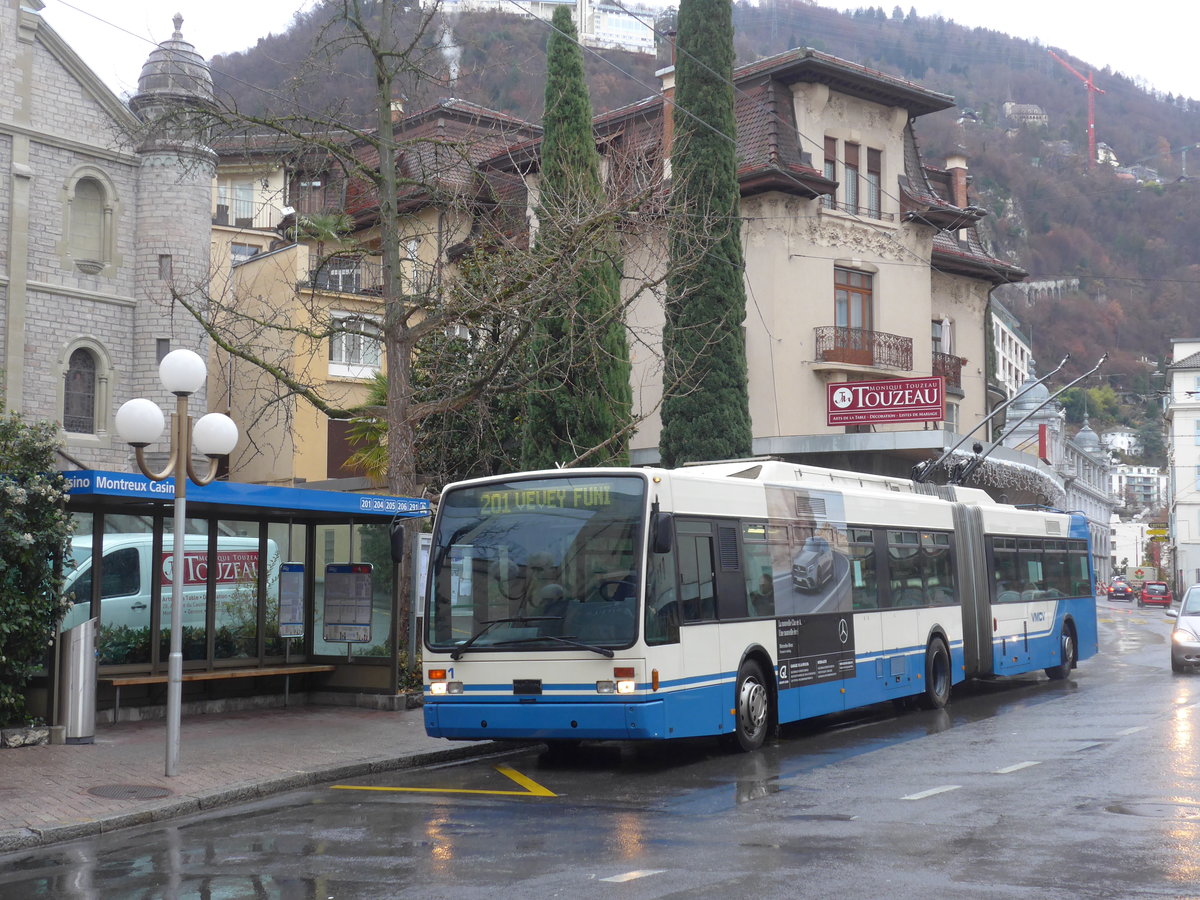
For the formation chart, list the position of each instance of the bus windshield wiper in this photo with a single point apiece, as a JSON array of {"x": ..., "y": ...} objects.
[
  {"x": 458, "y": 651},
  {"x": 570, "y": 642}
]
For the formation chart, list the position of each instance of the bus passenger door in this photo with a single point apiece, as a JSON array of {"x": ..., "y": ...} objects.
[{"x": 699, "y": 706}]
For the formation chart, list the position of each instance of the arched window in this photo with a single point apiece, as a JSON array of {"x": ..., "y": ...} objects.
[
  {"x": 87, "y": 221},
  {"x": 90, "y": 212},
  {"x": 79, "y": 393}
]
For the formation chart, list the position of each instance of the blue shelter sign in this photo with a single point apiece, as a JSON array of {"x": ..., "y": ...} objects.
[{"x": 283, "y": 500}]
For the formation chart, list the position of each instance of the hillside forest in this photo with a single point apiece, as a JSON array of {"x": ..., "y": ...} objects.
[{"x": 1113, "y": 245}]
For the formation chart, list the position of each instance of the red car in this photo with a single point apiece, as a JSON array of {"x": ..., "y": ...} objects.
[{"x": 1155, "y": 593}]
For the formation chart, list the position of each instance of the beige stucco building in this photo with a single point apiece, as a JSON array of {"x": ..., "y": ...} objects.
[{"x": 862, "y": 262}]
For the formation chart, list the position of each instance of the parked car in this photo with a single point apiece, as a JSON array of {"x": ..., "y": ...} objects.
[
  {"x": 1155, "y": 593},
  {"x": 1120, "y": 590},
  {"x": 1185, "y": 636}
]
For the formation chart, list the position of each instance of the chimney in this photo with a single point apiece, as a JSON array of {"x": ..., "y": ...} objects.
[
  {"x": 668, "y": 109},
  {"x": 956, "y": 166}
]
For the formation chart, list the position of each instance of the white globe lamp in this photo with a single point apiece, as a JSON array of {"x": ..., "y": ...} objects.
[
  {"x": 182, "y": 372},
  {"x": 140, "y": 422},
  {"x": 214, "y": 435}
]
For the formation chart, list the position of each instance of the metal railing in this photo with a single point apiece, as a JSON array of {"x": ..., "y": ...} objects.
[
  {"x": 347, "y": 275},
  {"x": 949, "y": 367},
  {"x": 363, "y": 275},
  {"x": 245, "y": 214},
  {"x": 860, "y": 347}
]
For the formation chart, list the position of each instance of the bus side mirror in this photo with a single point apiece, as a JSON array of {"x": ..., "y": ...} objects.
[{"x": 662, "y": 532}]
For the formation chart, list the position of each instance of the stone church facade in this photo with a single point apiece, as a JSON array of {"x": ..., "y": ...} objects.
[{"x": 105, "y": 214}]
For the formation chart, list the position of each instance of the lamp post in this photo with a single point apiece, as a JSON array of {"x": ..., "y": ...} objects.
[{"x": 140, "y": 423}]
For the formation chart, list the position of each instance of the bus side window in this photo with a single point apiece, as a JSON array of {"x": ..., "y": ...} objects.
[
  {"x": 864, "y": 585},
  {"x": 697, "y": 576},
  {"x": 662, "y": 600},
  {"x": 758, "y": 573}
]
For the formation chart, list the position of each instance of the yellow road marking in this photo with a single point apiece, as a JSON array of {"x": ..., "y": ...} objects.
[
  {"x": 528, "y": 783},
  {"x": 532, "y": 788}
]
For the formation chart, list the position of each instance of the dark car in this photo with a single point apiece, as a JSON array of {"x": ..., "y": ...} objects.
[
  {"x": 1120, "y": 591},
  {"x": 1155, "y": 593}
]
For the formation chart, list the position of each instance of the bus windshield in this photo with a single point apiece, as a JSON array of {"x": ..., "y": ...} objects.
[{"x": 534, "y": 564}]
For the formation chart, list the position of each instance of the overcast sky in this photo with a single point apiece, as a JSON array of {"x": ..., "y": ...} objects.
[{"x": 1153, "y": 41}]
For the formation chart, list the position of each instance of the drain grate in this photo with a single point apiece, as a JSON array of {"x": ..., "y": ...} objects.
[{"x": 130, "y": 791}]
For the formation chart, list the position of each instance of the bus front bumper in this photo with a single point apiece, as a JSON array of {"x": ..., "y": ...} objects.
[{"x": 545, "y": 720}]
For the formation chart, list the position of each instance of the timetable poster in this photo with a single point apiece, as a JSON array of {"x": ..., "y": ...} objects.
[
  {"x": 348, "y": 592},
  {"x": 814, "y": 649},
  {"x": 291, "y": 600}
]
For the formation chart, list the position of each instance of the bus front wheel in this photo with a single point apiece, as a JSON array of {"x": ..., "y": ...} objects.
[
  {"x": 753, "y": 707},
  {"x": 937, "y": 675},
  {"x": 1066, "y": 645}
]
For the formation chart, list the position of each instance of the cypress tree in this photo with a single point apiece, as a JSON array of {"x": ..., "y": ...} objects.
[
  {"x": 706, "y": 407},
  {"x": 580, "y": 398}
]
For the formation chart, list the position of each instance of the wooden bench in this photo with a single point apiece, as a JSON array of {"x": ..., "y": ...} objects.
[{"x": 120, "y": 681}]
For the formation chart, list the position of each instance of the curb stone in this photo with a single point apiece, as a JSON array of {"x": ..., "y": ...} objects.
[{"x": 30, "y": 839}]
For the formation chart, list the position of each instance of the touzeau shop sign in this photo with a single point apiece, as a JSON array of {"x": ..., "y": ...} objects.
[{"x": 898, "y": 400}]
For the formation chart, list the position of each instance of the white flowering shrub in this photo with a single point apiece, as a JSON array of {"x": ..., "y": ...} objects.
[{"x": 35, "y": 534}]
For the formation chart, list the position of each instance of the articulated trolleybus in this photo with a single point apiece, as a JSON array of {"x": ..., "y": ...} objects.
[{"x": 722, "y": 599}]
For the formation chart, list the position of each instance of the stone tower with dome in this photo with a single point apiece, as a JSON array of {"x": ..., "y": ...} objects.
[
  {"x": 104, "y": 212},
  {"x": 174, "y": 220}
]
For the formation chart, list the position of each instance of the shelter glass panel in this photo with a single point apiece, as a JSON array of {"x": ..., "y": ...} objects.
[
  {"x": 285, "y": 544},
  {"x": 235, "y": 579},
  {"x": 193, "y": 582}
]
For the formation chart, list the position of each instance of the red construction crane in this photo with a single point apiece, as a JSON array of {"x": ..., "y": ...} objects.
[{"x": 1092, "y": 92}]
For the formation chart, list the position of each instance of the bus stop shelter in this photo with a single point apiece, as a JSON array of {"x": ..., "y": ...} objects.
[{"x": 282, "y": 587}]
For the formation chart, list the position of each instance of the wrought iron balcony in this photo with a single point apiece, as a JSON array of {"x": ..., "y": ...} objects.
[
  {"x": 857, "y": 346},
  {"x": 364, "y": 275},
  {"x": 347, "y": 275},
  {"x": 247, "y": 214},
  {"x": 949, "y": 367}
]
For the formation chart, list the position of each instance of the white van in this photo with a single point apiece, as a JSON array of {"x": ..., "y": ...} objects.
[{"x": 128, "y": 563}]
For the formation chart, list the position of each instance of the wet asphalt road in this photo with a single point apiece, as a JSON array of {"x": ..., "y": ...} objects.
[{"x": 1021, "y": 789}]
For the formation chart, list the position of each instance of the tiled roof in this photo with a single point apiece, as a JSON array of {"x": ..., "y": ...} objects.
[{"x": 1188, "y": 362}]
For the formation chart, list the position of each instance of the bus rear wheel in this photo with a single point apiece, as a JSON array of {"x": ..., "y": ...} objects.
[
  {"x": 753, "y": 707},
  {"x": 1066, "y": 645},
  {"x": 937, "y": 675}
]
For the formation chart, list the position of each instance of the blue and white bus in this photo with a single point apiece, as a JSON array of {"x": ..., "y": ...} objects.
[{"x": 726, "y": 598}]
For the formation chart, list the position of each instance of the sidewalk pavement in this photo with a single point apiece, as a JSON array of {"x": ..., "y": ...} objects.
[{"x": 48, "y": 792}]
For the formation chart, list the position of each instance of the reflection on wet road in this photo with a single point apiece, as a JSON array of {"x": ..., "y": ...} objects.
[{"x": 1020, "y": 788}]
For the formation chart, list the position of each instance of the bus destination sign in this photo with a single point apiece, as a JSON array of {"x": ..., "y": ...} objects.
[
  {"x": 595, "y": 495},
  {"x": 899, "y": 400}
]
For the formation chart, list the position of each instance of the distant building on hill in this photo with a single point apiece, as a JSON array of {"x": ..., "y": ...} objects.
[
  {"x": 1139, "y": 487},
  {"x": 1020, "y": 115},
  {"x": 605, "y": 25},
  {"x": 1122, "y": 440}
]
